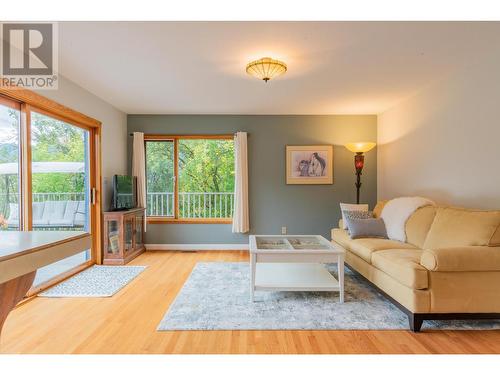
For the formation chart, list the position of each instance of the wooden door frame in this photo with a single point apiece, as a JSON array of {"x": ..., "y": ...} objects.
[{"x": 31, "y": 101}]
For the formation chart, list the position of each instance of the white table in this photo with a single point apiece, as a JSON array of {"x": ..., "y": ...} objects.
[
  {"x": 295, "y": 263},
  {"x": 22, "y": 253}
]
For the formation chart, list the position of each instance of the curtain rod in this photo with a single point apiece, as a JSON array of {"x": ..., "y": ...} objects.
[{"x": 248, "y": 134}]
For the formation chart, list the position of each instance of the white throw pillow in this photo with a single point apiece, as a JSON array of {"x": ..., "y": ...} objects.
[{"x": 351, "y": 207}]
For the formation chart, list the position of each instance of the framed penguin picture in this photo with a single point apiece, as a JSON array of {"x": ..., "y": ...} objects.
[{"x": 309, "y": 165}]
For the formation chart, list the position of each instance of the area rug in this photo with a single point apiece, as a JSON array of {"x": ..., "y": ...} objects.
[
  {"x": 216, "y": 296},
  {"x": 96, "y": 281}
]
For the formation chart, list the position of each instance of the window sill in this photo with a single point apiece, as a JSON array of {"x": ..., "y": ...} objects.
[{"x": 171, "y": 220}]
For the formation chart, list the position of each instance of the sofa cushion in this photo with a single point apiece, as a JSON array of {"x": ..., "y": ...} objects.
[
  {"x": 495, "y": 239},
  {"x": 462, "y": 259},
  {"x": 62, "y": 223},
  {"x": 403, "y": 265},
  {"x": 455, "y": 227},
  {"x": 80, "y": 217},
  {"x": 70, "y": 212},
  {"x": 364, "y": 247},
  {"x": 377, "y": 210},
  {"x": 54, "y": 211},
  {"x": 418, "y": 225},
  {"x": 40, "y": 223},
  {"x": 13, "y": 211},
  {"x": 38, "y": 208},
  {"x": 13, "y": 219}
]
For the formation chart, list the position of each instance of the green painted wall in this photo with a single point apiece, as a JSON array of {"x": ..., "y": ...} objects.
[{"x": 303, "y": 209}]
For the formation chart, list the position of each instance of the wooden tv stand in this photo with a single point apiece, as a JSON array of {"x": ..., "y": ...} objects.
[{"x": 123, "y": 235}]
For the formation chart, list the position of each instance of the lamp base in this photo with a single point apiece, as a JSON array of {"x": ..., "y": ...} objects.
[
  {"x": 358, "y": 185},
  {"x": 359, "y": 161}
]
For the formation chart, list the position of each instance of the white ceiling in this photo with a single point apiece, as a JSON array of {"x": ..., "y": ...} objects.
[{"x": 199, "y": 67}]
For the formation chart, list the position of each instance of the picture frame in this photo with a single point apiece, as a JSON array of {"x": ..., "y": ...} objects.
[{"x": 309, "y": 165}]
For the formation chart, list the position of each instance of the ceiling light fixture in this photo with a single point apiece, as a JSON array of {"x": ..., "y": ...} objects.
[{"x": 266, "y": 68}]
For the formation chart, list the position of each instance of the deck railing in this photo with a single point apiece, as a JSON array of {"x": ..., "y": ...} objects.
[
  {"x": 203, "y": 205},
  {"x": 37, "y": 197},
  {"x": 42, "y": 197}
]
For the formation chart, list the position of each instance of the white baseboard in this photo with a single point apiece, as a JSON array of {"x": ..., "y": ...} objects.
[{"x": 196, "y": 247}]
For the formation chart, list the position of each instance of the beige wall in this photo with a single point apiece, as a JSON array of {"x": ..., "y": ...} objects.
[
  {"x": 114, "y": 128},
  {"x": 444, "y": 142}
]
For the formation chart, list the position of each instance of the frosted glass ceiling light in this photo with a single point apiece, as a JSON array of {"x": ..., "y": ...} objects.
[{"x": 266, "y": 68}]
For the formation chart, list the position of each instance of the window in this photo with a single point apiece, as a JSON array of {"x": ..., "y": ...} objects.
[
  {"x": 190, "y": 178},
  {"x": 160, "y": 178}
]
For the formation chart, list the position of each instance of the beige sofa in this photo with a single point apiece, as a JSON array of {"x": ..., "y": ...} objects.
[{"x": 448, "y": 268}]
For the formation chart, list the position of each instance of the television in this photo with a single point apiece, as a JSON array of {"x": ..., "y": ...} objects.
[{"x": 124, "y": 193}]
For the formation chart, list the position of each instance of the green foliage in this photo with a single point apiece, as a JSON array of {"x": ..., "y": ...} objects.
[
  {"x": 54, "y": 140},
  {"x": 206, "y": 165},
  {"x": 51, "y": 140},
  {"x": 160, "y": 166},
  {"x": 9, "y": 153}
]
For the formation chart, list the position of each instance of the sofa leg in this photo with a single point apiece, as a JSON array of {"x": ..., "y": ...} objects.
[{"x": 415, "y": 322}]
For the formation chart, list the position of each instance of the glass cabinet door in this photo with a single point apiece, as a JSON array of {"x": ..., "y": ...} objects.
[
  {"x": 129, "y": 233},
  {"x": 113, "y": 234},
  {"x": 139, "y": 222}
]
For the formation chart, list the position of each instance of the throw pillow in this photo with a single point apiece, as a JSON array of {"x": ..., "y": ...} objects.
[
  {"x": 358, "y": 214},
  {"x": 351, "y": 207},
  {"x": 362, "y": 228}
]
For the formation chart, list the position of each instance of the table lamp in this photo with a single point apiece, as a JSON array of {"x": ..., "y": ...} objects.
[{"x": 359, "y": 160}]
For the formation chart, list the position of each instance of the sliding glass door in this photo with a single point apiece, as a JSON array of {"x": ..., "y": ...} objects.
[
  {"x": 10, "y": 208},
  {"x": 49, "y": 172},
  {"x": 60, "y": 185}
]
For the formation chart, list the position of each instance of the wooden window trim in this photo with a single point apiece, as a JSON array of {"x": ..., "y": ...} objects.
[
  {"x": 41, "y": 102},
  {"x": 9, "y": 102},
  {"x": 176, "y": 219},
  {"x": 30, "y": 101},
  {"x": 59, "y": 117}
]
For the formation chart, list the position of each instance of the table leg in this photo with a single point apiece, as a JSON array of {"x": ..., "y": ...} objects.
[
  {"x": 340, "y": 264},
  {"x": 253, "y": 266},
  {"x": 13, "y": 291}
]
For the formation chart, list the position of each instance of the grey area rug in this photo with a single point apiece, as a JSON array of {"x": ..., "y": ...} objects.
[
  {"x": 96, "y": 281},
  {"x": 217, "y": 297}
]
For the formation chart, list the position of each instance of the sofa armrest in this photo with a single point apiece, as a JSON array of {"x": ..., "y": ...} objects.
[{"x": 461, "y": 259}]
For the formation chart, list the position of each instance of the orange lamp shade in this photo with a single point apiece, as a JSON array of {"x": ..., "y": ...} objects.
[{"x": 360, "y": 146}]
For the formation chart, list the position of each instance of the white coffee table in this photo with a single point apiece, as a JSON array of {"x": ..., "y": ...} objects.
[{"x": 295, "y": 263}]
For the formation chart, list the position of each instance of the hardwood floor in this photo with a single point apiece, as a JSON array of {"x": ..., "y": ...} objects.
[{"x": 126, "y": 323}]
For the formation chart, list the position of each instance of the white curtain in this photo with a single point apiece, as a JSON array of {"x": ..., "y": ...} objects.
[
  {"x": 241, "y": 222},
  {"x": 139, "y": 169}
]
